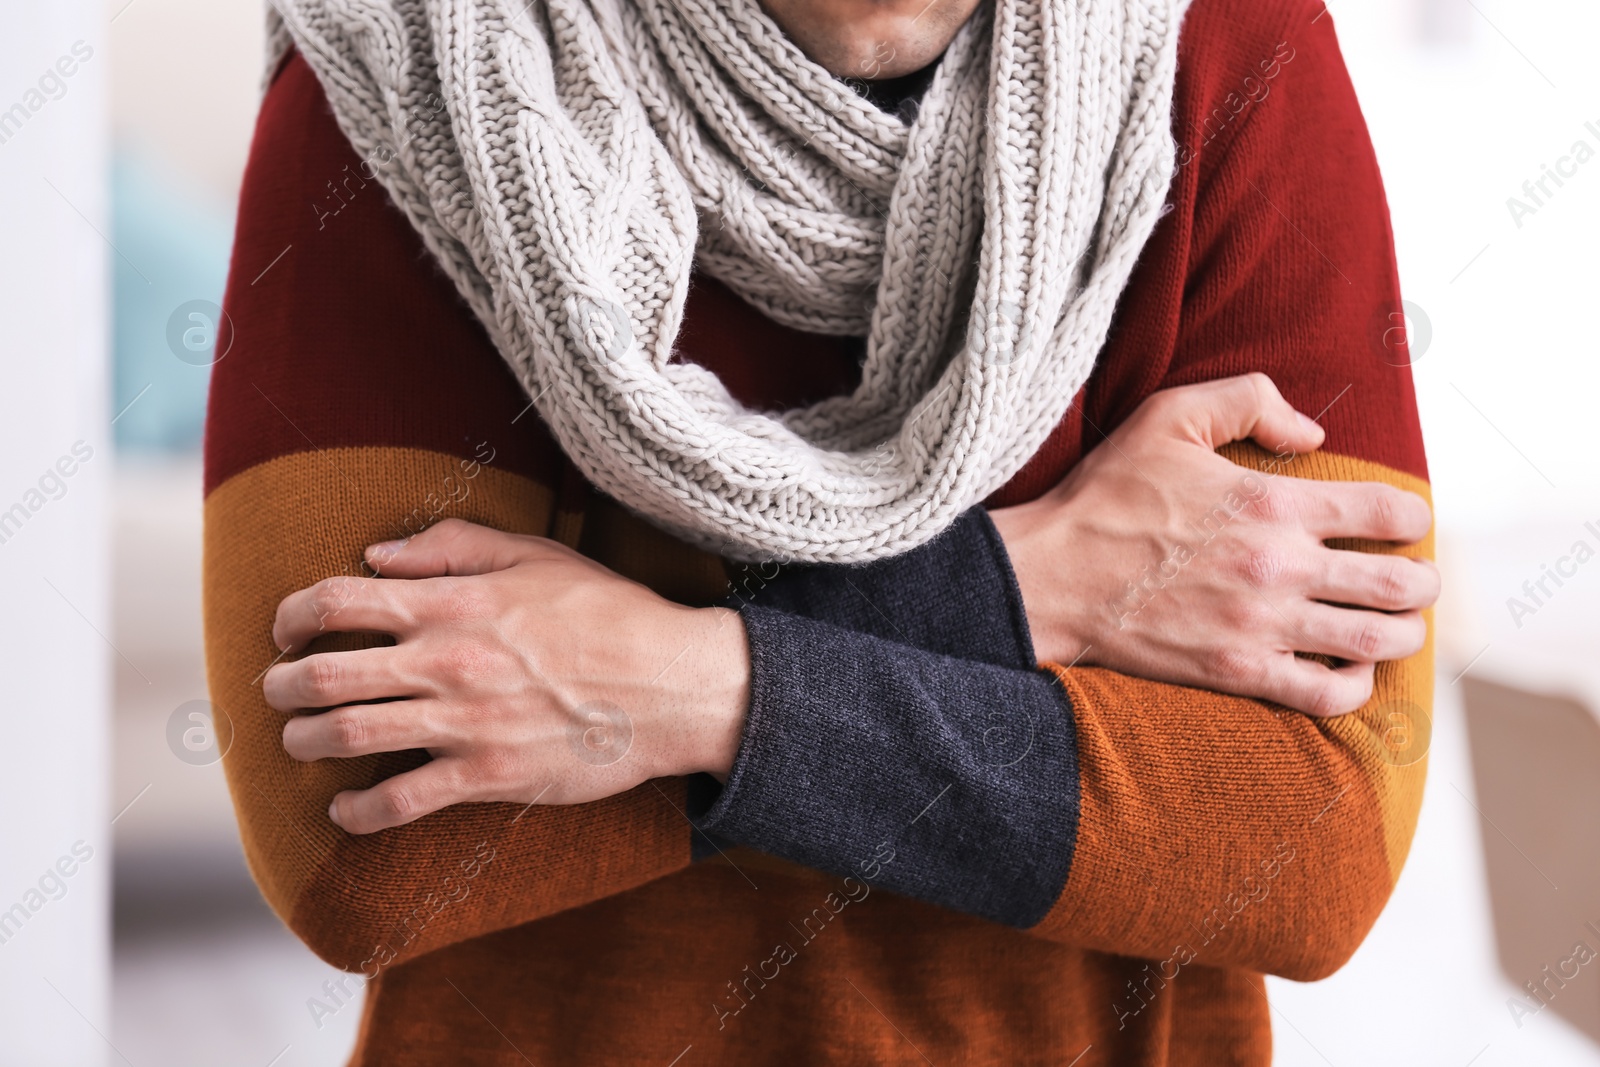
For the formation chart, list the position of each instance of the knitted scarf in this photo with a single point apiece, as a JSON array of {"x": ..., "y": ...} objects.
[{"x": 569, "y": 161}]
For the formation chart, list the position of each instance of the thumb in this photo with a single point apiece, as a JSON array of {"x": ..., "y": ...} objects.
[
  {"x": 1247, "y": 407},
  {"x": 454, "y": 547}
]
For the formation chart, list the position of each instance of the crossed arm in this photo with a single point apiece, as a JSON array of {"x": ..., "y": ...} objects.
[
  {"x": 1178, "y": 811},
  {"x": 511, "y": 647},
  {"x": 838, "y": 703}
]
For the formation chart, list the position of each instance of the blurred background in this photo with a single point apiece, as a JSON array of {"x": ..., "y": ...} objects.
[{"x": 120, "y": 189}]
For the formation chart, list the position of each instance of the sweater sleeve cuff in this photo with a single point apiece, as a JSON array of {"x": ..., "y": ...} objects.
[
  {"x": 951, "y": 781},
  {"x": 955, "y": 595}
]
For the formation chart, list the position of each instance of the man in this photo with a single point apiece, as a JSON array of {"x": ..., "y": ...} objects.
[{"x": 587, "y": 803}]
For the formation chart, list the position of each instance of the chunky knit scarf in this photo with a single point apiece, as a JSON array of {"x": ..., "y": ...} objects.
[{"x": 569, "y": 161}]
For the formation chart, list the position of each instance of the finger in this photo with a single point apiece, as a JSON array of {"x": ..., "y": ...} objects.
[
  {"x": 1368, "y": 510},
  {"x": 343, "y": 604},
  {"x": 404, "y": 798},
  {"x": 1361, "y": 636},
  {"x": 331, "y": 678},
  {"x": 361, "y": 730},
  {"x": 1248, "y": 407},
  {"x": 1369, "y": 580},
  {"x": 1315, "y": 689},
  {"x": 455, "y": 547}
]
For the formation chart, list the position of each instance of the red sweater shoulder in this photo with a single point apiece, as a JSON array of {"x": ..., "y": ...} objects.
[
  {"x": 1275, "y": 255},
  {"x": 1276, "y": 252}
]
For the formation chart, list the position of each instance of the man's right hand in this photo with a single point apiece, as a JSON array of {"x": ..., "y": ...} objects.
[{"x": 1159, "y": 558}]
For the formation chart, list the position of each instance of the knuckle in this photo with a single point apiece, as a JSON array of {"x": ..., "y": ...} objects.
[
  {"x": 496, "y": 767},
  {"x": 1252, "y": 616},
  {"x": 447, "y": 531},
  {"x": 1392, "y": 585},
  {"x": 396, "y": 804},
  {"x": 1325, "y": 700},
  {"x": 347, "y": 731},
  {"x": 463, "y": 662},
  {"x": 1366, "y": 640},
  {"x": 322, "y": 675},
  {"x": 1271, "y": 508},
  {"x": 1159, "y": 411},
  {"x": 329, "y": 596},
  {"x": 1262, "y": 386},
  {"x": 1161, "y": 403},
  {"x": 1385, "y": 507},
  {"x": 1265, "y": 565}
]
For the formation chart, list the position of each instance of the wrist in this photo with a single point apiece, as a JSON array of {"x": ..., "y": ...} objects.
[
  {"x": 1033, "y": 540},
  {"x": 706, "y": 695}
]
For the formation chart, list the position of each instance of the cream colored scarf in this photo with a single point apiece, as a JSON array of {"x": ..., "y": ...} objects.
[{"x": 569, "y": 161}]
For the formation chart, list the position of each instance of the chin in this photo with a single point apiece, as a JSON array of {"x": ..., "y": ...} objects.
[
  {"x": 871, "y": 41},
  {"x": 891, "y": 48}
]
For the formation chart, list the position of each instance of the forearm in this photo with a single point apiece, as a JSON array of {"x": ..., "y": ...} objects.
[
  {"x": 365, "y": 901},
  {"x": 1089, "y": 806},
  {"x": 858, "y": 746},
  {"x": 1241, "y": 835}
]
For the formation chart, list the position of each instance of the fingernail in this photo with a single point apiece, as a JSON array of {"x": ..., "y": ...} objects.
[
  {"x": 385, "y": 551},
  {"x": 1311, "y": 425},
  {"x": 333, "y": 815}
]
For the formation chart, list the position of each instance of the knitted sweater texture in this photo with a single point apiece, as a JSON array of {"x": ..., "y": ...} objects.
[{"x": 1190, "y": 841}]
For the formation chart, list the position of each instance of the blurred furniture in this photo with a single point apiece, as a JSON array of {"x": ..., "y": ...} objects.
[{"x": 1536, "y": 764}]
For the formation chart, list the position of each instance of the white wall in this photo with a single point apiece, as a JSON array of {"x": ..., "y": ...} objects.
[
  {"x": 1461, "y": 116},
  {"x": 53, "y": 581},
  {"x": 186, "y": 78}
]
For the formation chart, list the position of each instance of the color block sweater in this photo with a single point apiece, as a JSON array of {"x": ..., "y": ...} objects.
[{"x": 932, "y": 848}]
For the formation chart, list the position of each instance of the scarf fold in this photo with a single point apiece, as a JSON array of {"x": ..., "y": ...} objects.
[{"x": 568, "y": 162}]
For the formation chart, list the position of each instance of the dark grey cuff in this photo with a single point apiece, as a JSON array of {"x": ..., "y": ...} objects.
[
  {"x": 949, "y": 779},
  {"x": 956, "y": 595}
]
